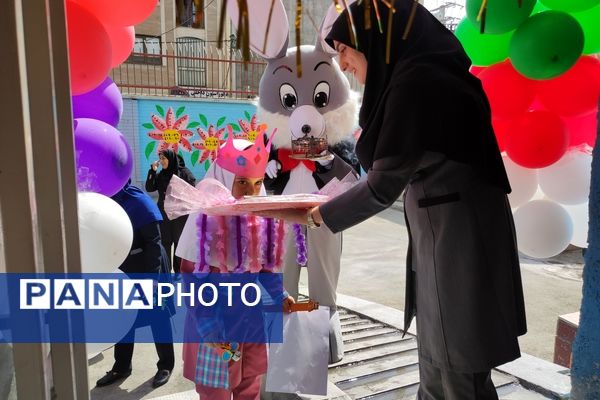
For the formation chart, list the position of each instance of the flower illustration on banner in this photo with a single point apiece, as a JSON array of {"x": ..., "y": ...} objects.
[
  {"x": 210, "y": 142},
  {"x": 250, "y": 129},
  {"x": 170, "y": 132}
]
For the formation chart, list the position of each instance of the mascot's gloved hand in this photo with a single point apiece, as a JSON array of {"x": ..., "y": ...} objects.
[
  {"x": 326, "y": 162},
  {"x": 273, "y": 168}
]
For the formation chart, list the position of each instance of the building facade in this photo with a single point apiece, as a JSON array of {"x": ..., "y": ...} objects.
[{"x": 176, "y": 53}]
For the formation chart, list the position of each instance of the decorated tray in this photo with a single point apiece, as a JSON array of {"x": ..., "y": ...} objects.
[
  {"x": 325, "y": 157},
  {"x": 264, "y": 203},
  {"x": 212, "y": 198}
]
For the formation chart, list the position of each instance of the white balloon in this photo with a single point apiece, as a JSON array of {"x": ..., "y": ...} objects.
[
  {"x": 105, "y": 233},
  {"x": 544, "y": 228},
  {"x": 119, "y": 329},
  {"x": 567, "y": 181},
  {"x": 523, "y": 181},
  {"x": 580, "y": 217}
]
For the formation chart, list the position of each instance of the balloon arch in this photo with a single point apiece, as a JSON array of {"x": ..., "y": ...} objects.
[{"x": 537, "y": 61}]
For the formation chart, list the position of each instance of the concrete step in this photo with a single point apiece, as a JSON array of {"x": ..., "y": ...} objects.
[
  {"x": 367, "y": 334},
  {"x": 376, "y": 353},
  {"x": 362, "y": 373},
  {"x": 382, "y": 364},
  {"x": 518, "y": 392},
  {"x": 405, "y": 388},
  {"x": 348, "y": 317},
  {"x": 354, "y": 322},
  {"x": 380, "y": 340},
  {"x": 399, "y": 386},
  {"x": 360, "y": 327}
]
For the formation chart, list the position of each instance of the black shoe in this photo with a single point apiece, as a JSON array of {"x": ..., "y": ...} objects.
[
  {"x": 111, "y": 377},
  {"x": 162, "y": 376}
]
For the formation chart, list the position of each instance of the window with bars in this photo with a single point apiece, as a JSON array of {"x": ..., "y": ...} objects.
[
  {"x": 191, "y": 71},
  {"x": 146, "y": 50}
]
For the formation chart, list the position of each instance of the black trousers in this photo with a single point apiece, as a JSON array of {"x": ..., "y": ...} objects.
[
  {"x": 170, "y": 231},
  {"x": 124, "y": 352},
  {"x": 440, "y": 384}
]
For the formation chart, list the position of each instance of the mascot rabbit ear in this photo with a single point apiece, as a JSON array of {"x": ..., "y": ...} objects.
[
  {"x": 333, "y": 13},
  {"x": 258, "y": 16}
]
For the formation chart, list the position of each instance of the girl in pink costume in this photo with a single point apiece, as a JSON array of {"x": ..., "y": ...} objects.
[{"x": 231, "y": 244}]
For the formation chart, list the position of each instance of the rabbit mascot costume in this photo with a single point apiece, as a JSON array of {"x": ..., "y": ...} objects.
[{"x": 318, "y": 103}]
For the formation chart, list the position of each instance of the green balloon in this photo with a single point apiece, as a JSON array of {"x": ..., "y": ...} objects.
[
  {"x": 570, "y": 5},
  {"x": 546, "y": 45},
  {"x": 501, "y": 16},
  {"x": 483, "y": 49},
  {"x": 590, "y": 23},
  {"x": 539, "y": 7}
]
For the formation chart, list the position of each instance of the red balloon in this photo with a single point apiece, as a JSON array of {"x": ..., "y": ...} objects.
[
  {"x": 90, "y": 50},
  {"x": 537, "y": 105},
  {"x": 575, "y": 92},
  {"x": 120, "y": 12},
  {"x": 509, "y": 92},
  {"x": 502, "y": 130},
  {"x": 583, "y": 129},
  {"x": 476, "y": 70},
  {"x": 122, "y": 39},
  {"x": 537, "y": 139}
]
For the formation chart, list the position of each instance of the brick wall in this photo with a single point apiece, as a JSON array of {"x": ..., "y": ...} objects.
[{"x": 566, "y": 329}]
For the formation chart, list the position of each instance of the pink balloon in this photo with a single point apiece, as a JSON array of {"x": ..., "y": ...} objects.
[
  {"x": 90, "y": 50},
  {"x": 509, "y": 92},
  {"x": 537, "y": 139},
  {"x": 120, "y": 12},
  {"x": 122, "y": 39},
  {"x": 582, "y": 129},
  {"x": 575, "y": 92}
]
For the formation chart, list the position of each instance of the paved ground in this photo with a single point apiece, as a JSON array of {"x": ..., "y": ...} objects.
[{"x": 373, "y": 269}]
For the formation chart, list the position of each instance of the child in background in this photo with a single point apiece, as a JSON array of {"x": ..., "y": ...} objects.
[{"x": 212, "y": 244}]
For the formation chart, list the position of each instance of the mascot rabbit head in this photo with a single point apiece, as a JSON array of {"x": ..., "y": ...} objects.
[{"x": 318, "y": 103}]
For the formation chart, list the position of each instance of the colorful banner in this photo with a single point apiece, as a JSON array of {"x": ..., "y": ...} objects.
[{"x": 193, "y": 129}]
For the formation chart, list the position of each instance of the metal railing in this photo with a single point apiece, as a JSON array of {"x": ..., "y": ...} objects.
[
  {"x": 197, "y": 71},
  {"x": 185, "y": 69}
]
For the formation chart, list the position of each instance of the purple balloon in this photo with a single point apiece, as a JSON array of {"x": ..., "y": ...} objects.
[
  {"x": 103, "y": 103},
  {"x": 104, "y": 158}
]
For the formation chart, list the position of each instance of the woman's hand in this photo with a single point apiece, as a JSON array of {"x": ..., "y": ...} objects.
[
  {"x": 154, "y": 165},
  {"x": 287, "y": 304},
  {"x": 293, "y": 215}
]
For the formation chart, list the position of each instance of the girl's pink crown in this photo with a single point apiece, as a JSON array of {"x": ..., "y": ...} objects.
[{"x": 250, "y": 162}]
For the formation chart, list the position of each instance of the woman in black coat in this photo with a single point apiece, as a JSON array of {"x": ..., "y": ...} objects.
[
  {"x": 427, "y": 131},
  {"x": 170, "y": 230}
]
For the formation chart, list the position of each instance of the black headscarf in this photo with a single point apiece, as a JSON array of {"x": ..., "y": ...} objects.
[
  {"x": 173, "y": 167},
  {"x": 180, "y": 161},
  {"x": 454, "y": 116},
  {"x": 427, "y": 37}
]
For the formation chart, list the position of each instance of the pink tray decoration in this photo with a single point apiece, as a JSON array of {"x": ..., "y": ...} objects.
[{"x": 212, "y": 198}]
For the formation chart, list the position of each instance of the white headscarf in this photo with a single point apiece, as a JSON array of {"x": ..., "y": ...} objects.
[{"x": 187, "y": 248}]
